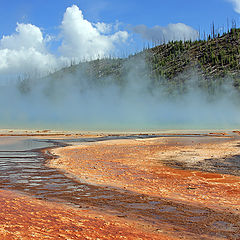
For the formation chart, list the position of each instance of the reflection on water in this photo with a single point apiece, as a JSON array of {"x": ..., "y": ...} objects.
[
  {"x": 23, "y": 167},
  {"x": 21, "y": 144},
  {"x": 25, "y": 170}
]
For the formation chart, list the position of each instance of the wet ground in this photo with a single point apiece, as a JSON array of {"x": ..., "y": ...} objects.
[{"x": 24, "y": 167}]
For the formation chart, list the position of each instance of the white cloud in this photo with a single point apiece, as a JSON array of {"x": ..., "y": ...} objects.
[
  {"x": 84, "y": 40},
  {"x": 236, "y": 4},
  {"x": 24, "y": 51},
  {"x": 171, "y": 32},
  {"x": 26, "y": 36},
  {"x": 103, "y": 27}
]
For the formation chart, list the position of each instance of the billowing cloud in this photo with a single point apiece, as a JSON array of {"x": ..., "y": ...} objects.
[
  {"x": 171, "y": 32},
  {"x": 84, "y": 40},
  {"x": 26, "y": 36},
  {"x": 103, "y": 27},
  {"x": 24, "y": 51},
  {"x": 236, "y": 4}
]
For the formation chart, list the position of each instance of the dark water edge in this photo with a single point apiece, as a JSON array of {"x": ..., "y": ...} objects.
[{"x": 23, "y": 168}]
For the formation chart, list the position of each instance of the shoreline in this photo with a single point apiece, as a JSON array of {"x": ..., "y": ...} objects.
[
  {"x": 136, "y": 166},
  {"x": 132, "y": 183},
  {"x": 51, "y": 132},
  {"x": 98, "y": 168},
  {"x": 37, "y": 217}
]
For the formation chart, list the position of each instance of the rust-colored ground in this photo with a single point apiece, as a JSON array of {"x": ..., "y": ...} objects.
[
  {"x": 200, "y": 204},
  {"x": 137, "y": 165},
  {"x": 170, "y": 187},
  {"x": 23, "y": 217}
]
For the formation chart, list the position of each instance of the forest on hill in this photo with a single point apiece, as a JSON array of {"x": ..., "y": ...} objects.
[{"x": 210, "y": 62}]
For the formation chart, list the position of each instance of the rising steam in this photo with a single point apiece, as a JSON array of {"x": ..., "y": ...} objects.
[
  {"x": 75, "y": 99},
  {"x": 78, "y": 98}
]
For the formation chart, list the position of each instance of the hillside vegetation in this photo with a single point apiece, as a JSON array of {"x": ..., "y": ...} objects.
[
  {"x": 211, "y": 62},
  {"x": 213, "y": 58}
]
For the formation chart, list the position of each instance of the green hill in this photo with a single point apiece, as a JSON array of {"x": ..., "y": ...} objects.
[
  {"x": 215, "y": 58},
  {"x": 211, "y": 62}
]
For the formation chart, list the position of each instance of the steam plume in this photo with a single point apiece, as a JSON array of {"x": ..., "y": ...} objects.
[{"x": 75, "y": 99}]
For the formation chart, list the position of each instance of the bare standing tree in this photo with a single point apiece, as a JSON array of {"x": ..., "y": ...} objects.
[
  {"x": 199, "y": 33},
  {"x": 234, "y": 25},
  {"x": 227, "y": 25},
  {"x": 213, "y": 30}
]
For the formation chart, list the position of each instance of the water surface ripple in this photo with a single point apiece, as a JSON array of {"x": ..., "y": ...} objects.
[{"x": 23, "y": 168}]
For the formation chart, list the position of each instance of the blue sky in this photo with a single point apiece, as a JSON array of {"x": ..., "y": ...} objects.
[
  {"x": 55, "y": 32},
  {"x": 48, "y": 14},
  {"x": 41, "y": 36}
]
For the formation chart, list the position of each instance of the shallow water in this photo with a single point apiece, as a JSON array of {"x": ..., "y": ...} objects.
[
  {"x": 20, "y": 144},
  {"x": 23, "y": 168}
]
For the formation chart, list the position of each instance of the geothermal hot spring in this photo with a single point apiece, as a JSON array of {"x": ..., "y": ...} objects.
[
  {"x": 77, "y": 102},
  {"x": 74, "y": 101}
]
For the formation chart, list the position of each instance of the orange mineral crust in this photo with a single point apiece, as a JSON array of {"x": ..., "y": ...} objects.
[
  {"x": 182, "y": 186},
  {"x": 23, "y": 217},
  {"x": 179, "y": 186},
  {"x": 144, "y": 167}
]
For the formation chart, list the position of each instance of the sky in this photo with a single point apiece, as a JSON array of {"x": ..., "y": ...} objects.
[
  {"x": 56, "y": 32},
  {"x": 38, "y": 37}
]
